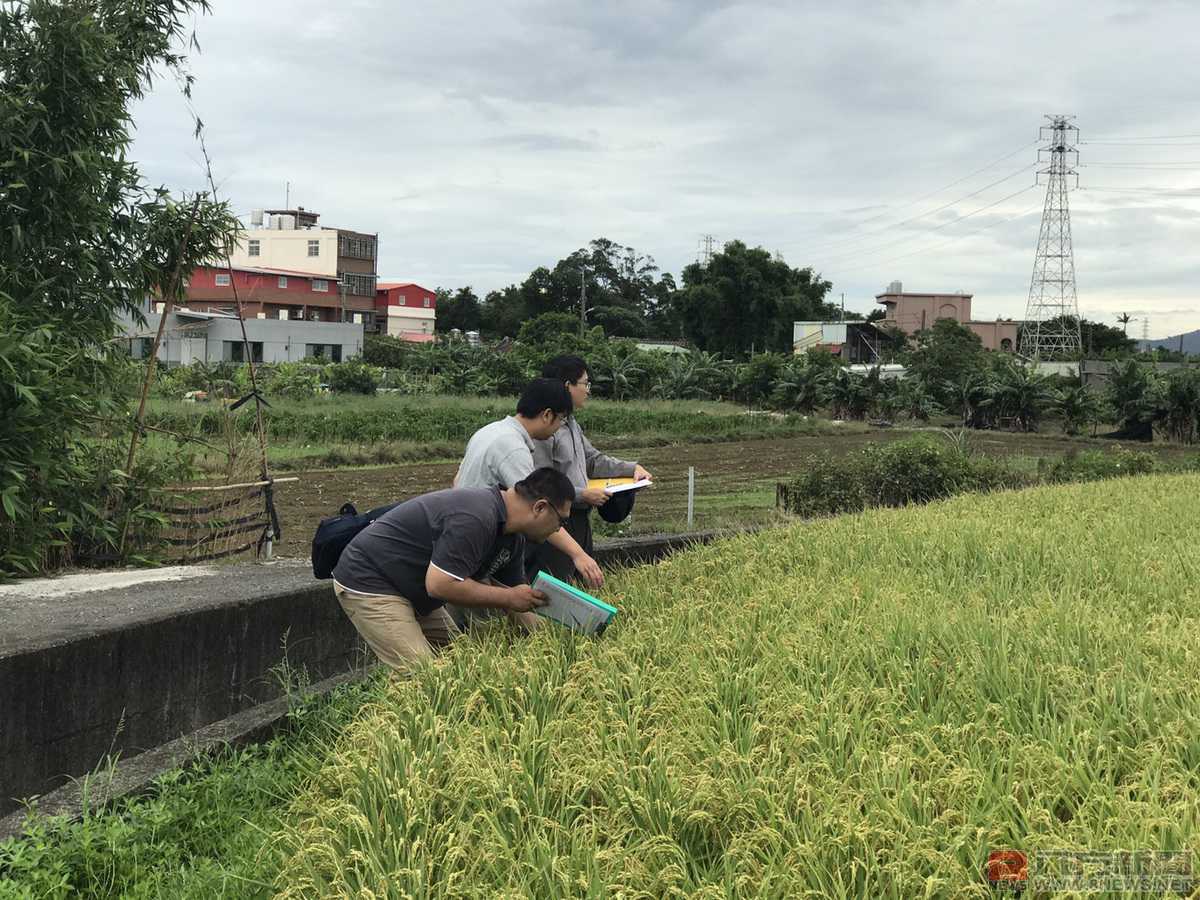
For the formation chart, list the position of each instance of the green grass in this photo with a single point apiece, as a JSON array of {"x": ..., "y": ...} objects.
[
  {"x": 335, "y": 432},
  {"x": 859, "y": 706},
  {"x": 201, "y": 832},
  {"x": 388, "y": 418}
]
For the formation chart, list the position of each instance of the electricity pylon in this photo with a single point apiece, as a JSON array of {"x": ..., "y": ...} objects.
[{"x": 1051, "y": 329}]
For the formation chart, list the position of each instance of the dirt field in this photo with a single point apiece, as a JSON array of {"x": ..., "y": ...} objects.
[{"x": 734, "y": 481}]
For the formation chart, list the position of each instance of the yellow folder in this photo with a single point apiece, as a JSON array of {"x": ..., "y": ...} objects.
[{"x": 616, "y": 485}]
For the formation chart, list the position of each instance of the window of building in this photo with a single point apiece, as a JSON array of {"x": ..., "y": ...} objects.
[
  {"x": 400, "y": 299},
  {"x": 427, "y": 303},
  {"x": 283, "y": 281},
  {"x": 314, "y": 248},
  {"x": 320, "y": 285},
  {"x": 332, "y": 352},
  {"x": 357, "y": 247},
  {"x": 254, "y": 248},
  {"x": 222, "y": 279},
  {"x": 144, "y": 346},
  {"x": 235, "y": 351},
  {"x": 358, "y": 285}
]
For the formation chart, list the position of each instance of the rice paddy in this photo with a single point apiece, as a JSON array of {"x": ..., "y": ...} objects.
[{"x": 860, "y": 706}]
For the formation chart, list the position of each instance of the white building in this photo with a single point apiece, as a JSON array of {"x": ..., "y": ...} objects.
[{"x": 192, "y": 336}]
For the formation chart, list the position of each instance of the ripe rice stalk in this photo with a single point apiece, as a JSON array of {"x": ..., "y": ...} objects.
[{"x": 860, "y": 706}]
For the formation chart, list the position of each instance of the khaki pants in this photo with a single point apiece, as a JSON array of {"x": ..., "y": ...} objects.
[{"x": 391, "y": 627}]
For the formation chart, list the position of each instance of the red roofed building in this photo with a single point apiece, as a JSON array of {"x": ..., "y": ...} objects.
[
  {"x": 406, "y": 310},
  {"x": 275, "y": 294}
]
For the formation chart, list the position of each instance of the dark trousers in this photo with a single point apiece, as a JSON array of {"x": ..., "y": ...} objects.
[{"x": 543, "y": 557}]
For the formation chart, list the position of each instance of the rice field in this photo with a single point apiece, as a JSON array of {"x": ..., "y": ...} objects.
[{"x": 856, "y": 707}]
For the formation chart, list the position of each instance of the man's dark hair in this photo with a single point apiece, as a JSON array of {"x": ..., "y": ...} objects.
[
  {"x": 542, "y": 394},
  {"x": 565, "y": 368},
  {"x": 546, "y": 484}
]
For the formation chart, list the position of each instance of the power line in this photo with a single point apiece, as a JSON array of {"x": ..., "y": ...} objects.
[
  {"x": 947, "y": 187},
  {"x": 930, "y": 212},
  {"x": 961, "y": 218},
  {"x": 1165, "y": 192},
  {"x": 1140, "y": 144},
  {"x": 956, "y": 239},
  {"x": 1166, "y": 165},
  {"x": 1150, "y": 137}
]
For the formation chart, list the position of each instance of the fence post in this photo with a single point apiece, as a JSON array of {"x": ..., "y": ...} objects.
[{"x": 691, "y": 495}]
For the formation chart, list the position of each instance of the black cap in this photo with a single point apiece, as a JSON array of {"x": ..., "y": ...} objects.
[{"x": 618, "y": 507}]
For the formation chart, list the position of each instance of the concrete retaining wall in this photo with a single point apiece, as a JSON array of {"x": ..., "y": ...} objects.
[{"x": 103, "y": 664}]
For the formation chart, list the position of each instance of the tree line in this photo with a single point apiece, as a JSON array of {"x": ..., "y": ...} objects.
[
  {"x": 948, "y": 374},
  {"x": 742, "y": 299}
]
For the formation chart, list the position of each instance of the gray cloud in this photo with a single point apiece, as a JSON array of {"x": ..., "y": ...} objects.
[{"x": 482, "y": 140}]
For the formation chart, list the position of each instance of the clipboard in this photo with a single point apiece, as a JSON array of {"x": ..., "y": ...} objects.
[
  {"x": 571, "y": 607},
  {"x": 617, "y": 485}
]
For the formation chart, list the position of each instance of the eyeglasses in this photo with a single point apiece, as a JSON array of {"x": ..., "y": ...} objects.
[
  {"x": 586, "y": 385},
  {"x": 562, "y": 520}
]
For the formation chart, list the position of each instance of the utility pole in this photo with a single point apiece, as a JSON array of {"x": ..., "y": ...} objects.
[
  {"x": 843, "y": 318},
  {"x": 583, "y": 300},
  {"x": 1052, "y": 311}
]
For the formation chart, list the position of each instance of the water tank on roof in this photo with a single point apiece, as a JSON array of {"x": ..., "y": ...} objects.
[
  {"x": 895, "y": 288},
  {"x": 256, "y": 217},
  {"x": 286, "y": 223}
]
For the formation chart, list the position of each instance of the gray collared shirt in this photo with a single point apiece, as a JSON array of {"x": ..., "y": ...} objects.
[
  {"x": 572, "y": 453},
  {"x": 500, "y": 453}
]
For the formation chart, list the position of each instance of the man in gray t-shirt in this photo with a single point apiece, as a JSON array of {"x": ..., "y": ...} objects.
[{"x": 464, "y": 545}]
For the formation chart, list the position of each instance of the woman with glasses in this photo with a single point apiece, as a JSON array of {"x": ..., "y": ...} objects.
[{"x": 570, "y": 452}]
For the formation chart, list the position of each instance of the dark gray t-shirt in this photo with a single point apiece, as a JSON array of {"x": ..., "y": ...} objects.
[{"x": 460, "y": 531}]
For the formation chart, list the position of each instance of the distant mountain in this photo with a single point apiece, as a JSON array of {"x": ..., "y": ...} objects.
[{"x": 1191, "y": 342}]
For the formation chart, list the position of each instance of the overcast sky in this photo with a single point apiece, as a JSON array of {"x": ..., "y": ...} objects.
[{"x": 483, "y": 139}]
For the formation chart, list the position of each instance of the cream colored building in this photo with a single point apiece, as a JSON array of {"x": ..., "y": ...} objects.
[
  {"x": 312, "y": 250},
  {"x": 291, "y": 240}
]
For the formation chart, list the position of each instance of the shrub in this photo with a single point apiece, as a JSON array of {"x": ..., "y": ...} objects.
[
  {"x": 920, "y": 470},
  {"x": 898, "y": 474},
  {"x": 1092, "y": 465},
  {"x": 548, "y": 328},
  {"x": 352, "y": 377},
  {"x": 295, "y": 381}
]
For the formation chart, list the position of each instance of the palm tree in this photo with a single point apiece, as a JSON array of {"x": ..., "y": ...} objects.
[
  {"x": 616, "y": 370},
  {"x": 974, "y": 393},
  {"x": 1131, "y": 393},
  {"x": 1125, "y": 319},
  {"x": 682, "y": 379},
  {"x": 1022, "y": 395},
  {"x": 802, "y": 389},
  {"x": 1179, "y": 406},
  {"x": 1079, "y": 407},
  {"x": 913, "y": 400},
  {"x": 848, "y": 395}
]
